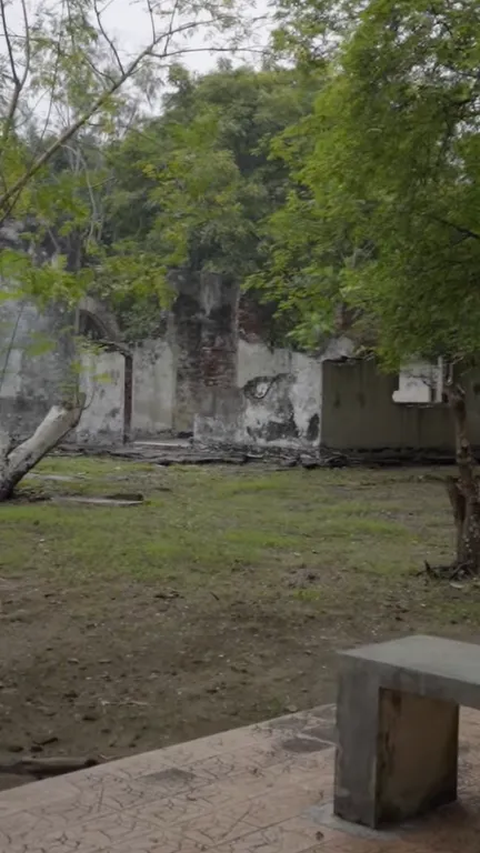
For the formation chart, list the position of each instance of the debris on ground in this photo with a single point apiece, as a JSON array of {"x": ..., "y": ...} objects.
[
  {"x": 41, "y": 768},
  {"x": 452, "y": 572},
  {"x": 187, "y": 452},
  {"x": 81, "y": 499}
]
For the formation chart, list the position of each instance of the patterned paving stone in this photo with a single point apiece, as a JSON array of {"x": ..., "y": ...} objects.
[{"x": 262, "y": 789}]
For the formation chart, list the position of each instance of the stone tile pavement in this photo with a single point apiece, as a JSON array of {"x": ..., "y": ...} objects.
[{"x": 261, "y": 789}]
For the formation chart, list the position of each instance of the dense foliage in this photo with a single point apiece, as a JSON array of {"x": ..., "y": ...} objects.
[
  {"x": 388, "y": 214},
  {"x": 346, "y": 176},
  {"x": 195, "y": 186},
  {"x": 68, "y": 92}
]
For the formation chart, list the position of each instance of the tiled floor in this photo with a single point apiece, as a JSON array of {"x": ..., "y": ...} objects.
[{"x": 263, "y": 789}]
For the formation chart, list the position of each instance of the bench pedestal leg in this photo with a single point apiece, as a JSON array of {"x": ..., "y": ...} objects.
[
  {"x": 417, "y": 755},
  {"x": 396, "y": 755}
]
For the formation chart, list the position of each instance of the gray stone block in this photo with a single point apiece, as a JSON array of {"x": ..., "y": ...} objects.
[{"x": 397, "y": 720}]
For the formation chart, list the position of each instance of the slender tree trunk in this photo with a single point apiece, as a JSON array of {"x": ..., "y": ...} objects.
[
  {"x": 17, "y": 461},
  {"x": 463, "y": 492}
]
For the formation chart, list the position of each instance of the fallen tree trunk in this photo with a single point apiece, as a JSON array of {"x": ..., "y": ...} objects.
[{"x": 17, "y": 461}]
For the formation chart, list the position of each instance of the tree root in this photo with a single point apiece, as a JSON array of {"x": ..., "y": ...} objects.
[{"x": 452, "y": 572}]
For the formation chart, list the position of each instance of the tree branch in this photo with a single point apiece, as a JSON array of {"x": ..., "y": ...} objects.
[
  {"x": 11, "y": 344},
  {"x": 10, "y": 197},
  {"x": 18, "y": 81},
  {"x": 113, "y": 346},
  {"x": 184, "y": 50},
  {"x": 152, "y": 20},
  {"x": 110, "y": 42},
  {"x": 467, "y": 232}
]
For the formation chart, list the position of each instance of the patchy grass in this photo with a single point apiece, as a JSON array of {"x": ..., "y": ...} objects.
[{"x": 219, "y": 601}]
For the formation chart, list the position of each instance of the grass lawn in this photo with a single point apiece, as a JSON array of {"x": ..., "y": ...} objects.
[{"x": 219, "y": 601}]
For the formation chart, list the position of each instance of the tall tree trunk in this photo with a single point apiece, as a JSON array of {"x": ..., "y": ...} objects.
[
  {"x": 463, "y": 492},
  {"x": 17, "y": 461}
]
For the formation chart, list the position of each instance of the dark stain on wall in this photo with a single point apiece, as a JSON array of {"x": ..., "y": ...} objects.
[
  {"x": 276, "y": 430},
  {"x": 272, "y": 394},
  {"x": 205, "y": 338},
  {"x": 258, "y": 388},
  {"x": 313, "y": 428}
]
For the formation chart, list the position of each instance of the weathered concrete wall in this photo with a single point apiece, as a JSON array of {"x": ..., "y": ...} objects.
[
  {"x": 212, "y": 374},
  {"x": 204, "y": 339},
  {"x": 419, "y": 382},
  {"x": 35, "y": 352},
  {"x": 102, "y": 379},
  {"x": 170, "y": 378},
  {"x": 153, "y": 389},
  {"x": 277, "y": 399},
  {"x": 358, "y": 411},
  {"x": 34, "y": 356},
  {"x": 281, "y": 396}
]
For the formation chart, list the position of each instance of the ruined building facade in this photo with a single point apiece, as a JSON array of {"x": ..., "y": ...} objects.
[{"x": 212, "y": 375}]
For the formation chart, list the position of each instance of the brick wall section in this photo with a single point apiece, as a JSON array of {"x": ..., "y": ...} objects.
[
  {"x": 253, "y": 320},
  {"x": 219, "y": 343},
  {"x": 187, "y": 334},
  {"x": 205, "y": 331}
]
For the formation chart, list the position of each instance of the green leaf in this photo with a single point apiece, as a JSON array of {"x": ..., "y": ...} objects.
[{"x": 386, "y": 213}]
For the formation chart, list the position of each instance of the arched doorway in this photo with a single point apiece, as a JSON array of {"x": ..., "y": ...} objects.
[{"x": 109, "y": 405}]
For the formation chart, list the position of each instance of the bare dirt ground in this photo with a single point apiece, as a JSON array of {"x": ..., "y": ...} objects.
[{"x": 219, "y": 601}]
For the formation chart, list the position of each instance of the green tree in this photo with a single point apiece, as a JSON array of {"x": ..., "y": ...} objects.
[
  {"x": 390, "y": 191},
  {"x": 195, "y": 186},
  {"x": 65, "y": 84}
]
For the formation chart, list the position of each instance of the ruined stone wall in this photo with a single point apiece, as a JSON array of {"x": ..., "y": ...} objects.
[
  {"x": 359, "y": 412},
  {"x": 33, "y": 354},
  {"x": 276, "y": 402},
  {"x": 154, "y": 388},
  {"x": 163, "y": 386},
  {"x": 102, "y": 379},
  {"x": 37, "y": 355},
  {"x": 203, "y": 335},
  {"x": 38, "y": 362},
  {"x": 34, "y": 358},
  {"x": 211, "y": 374}
]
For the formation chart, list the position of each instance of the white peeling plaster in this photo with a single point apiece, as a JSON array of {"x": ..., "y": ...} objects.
[
  {"x": 419, "y": 382},
  {"x": 102, "y": 379},
  {"x": 302, "y": 391},
  {"x": 153, "y": 388}
]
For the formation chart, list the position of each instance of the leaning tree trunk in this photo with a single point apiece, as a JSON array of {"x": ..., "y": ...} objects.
[
  {"x": 463, "y": 492},
  {"x": 17, "y": 461}
]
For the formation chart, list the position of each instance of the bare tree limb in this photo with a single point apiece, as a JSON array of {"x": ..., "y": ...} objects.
[
  {"x": 110, "y": 42},
  {"x": 8, "y": 42},
  {"x": 152, "y": 20},
  {"x": 18, "y": 81},
  {"x": 466, "y": 232},
  {"x": 81, "y": 164},
  {"x": 113, "y": 346},
  {"x": 170, "y": 34},
  {"x": 9, "y": 198},
  {"x": 232, "y": 50},
  {"x": 11, "y": 344}
]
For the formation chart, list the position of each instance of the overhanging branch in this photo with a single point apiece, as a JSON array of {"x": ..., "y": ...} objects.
[
  {"x": 9, "y": 198},
  {"x": 467, "y": 232}
]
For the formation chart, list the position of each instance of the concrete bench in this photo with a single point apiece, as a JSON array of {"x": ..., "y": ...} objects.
[{"x": 397, "y": 719}]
